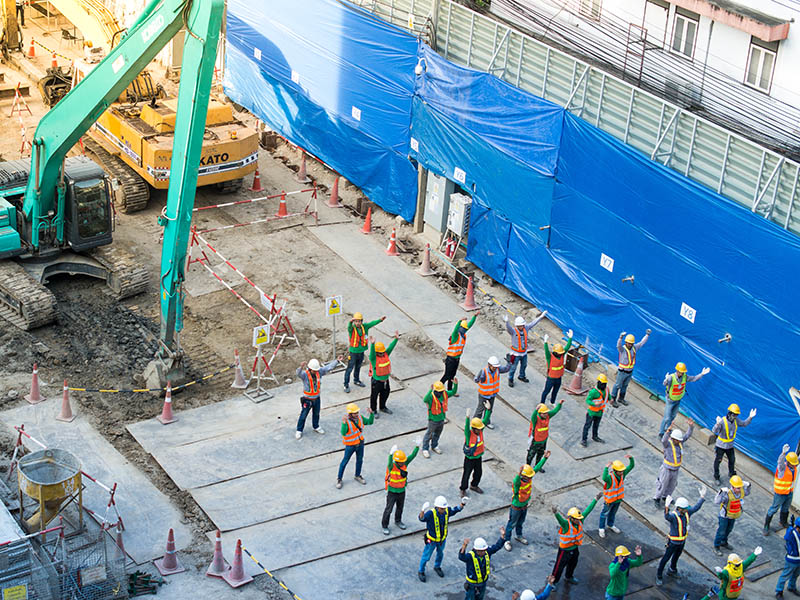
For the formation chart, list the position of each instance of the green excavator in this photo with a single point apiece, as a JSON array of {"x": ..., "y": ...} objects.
[{"x": 55, "y": 212}]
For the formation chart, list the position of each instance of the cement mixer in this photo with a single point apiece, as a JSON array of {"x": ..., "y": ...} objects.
[{"x": 52, "y": 478}]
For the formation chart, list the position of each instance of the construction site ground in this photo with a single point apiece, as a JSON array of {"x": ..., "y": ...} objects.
[{"x": 231, "y": 464}]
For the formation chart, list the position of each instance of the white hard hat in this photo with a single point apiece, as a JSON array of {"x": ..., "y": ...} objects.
[
  {"x": 494, "y": 361},
  {"x": 519, "y": 322},
  {"x": 527, "y": 595},
  {"x": 440, "y": 502},
  {"x": 480, "y": 544},
  {"x": 676, "y": 434},
  {"x": 681, "y": 503},
  {"x": 313, "y": 364}
]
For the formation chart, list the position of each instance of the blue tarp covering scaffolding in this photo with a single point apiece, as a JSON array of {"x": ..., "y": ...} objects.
[{"x": 555, "y": 202}]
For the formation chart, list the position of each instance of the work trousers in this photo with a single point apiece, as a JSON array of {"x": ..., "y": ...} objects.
[
  {"x": 474, "y": 467},
  {"x": 450, "y": 371},
  {"x": 354, "y": 367},
  {"x": 609, "y": 514},
  {"x": 523, "y": 364},
  {"x": 789, "y": 575},
  {"x": 475, "y": 591},
  {"x": 621, "y": 384},
  {"x": 666, "y": 482},
  {"x": 723, "y": 531},
  {"x": 536, "y": 452},
  {"x": 432, "y": 433},
  {"x": 566, "y": 559},
  {"x": 718, "y": 454},
  {"x": 516, "y": 517},
  {"x": 482, "y": 409},
  {"x": 670, "y": 412},
  {"x": 309, "y": 406},
  {"x": 358, "y": 450},
  {"x": 782, "y": 502},
  {"x": 553, "y": 384},
  {"x": 672, "y": 553},
  {"x": 21, "y": 14},
  {"x": 427, "y": 552},
  {"x": 593, "y": 421},
  {"x": 378, "y": 394},
  {"x": 394, "y": 499}
]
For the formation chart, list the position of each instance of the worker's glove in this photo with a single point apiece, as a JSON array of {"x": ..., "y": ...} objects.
[
  {"x": 719, "y": 419},
  {"x": 530, "y": 439},
  {"x": 667, "y": 375},
  {"x": 752, "y": 412},
  {"x": 705, "y": 371},
  {"x": 468, "y": 413},
  {"x": 546, "y": 338},
  {"x": 718, "y": 569},
  {"x": 724, "y": 490},
  {"x": 464, "y": 499},
  {"x": 569, "y": 334},
  {"x": 702, "y": 491},
  {"x": 757, "y": 551},
  {"x": 785, "y": 448},
  {"x": 393, "y": 450},
  {"x": 418, "y": 441},
  {"x": 425, "y": 507},
  {"x": 668, "y": 501},
  {"x": 505, "y": 318}
]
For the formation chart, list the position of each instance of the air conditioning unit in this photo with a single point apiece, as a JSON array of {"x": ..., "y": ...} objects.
[{"x": 458, "y": 214}]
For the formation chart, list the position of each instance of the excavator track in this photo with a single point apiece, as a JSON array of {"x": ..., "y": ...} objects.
[
  {"x": 135, "y": 191},
  {"x": 24, "y": 301},
  {"x": 126, "y": 277}
]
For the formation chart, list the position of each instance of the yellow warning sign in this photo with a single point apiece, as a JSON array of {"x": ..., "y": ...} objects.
[
  {"x": 260, "y": 335},
  {"x": 333, "y": 305},
  {"x": 17, "y": 592}
]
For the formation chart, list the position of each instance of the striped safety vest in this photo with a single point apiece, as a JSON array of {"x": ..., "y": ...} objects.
[
  {"x": 314, "y": 381},
  {"x": 734, "y": 508},
  {"x": 524, "y": 492},
  {"x": 573, "y": 536},
  {"x": 683, "y": 528},
  {"x": 490, "y": 385},
  {"x": 735, "y": 583},
  {"x": 617, "y": 489},
  {"x": 383, "y": 366},
  {"x": 438, "y": 406},
  {"x": 631, "y": 353},
  {"x": 677, "y": 388},
  {"x": 455, "y": 349},
  {"x": 441, "y": 529},
  {"x": 728, "y": 437},
  {"x": 542, "y": 428},
  {"x": 675, "y": 462},
  {"x": 396, "y": 478},
  {"x": 355, "y": 432},
  {"x": 555, "y": 368},
  {"x": 521, "y": 345},
  {"x": 598, "y": 408},
  {"x": 785, "y": 484},
  {"x": 480, "y": 577},
  {"x": 358, "y": 338},
  {"x": 475, "y": 446}
]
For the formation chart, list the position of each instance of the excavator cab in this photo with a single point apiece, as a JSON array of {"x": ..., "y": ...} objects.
[{"x": 89, "y": 214}]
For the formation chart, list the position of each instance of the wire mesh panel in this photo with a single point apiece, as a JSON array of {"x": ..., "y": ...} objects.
[
  {"x": 92, "y": 568},
  {"x": 24, "y": 576}
]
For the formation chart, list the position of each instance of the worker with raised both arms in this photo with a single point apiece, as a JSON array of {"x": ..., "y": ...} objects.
[
  {"x": 555, "y": 366},
  {"x": 791, "y": 567},
  {"x": 539, "y": 432},
  {"x": 436, "y": 399},
  {"x": 678, "y": 529},
  {"x": 519, "y": 345},
  {"x": 311, "y": 375},
  {"x": 478, "y": 563},
  {"x": 455, "y": 348},
  {"x": 675, "y": 386},
  {"x": 488, "y": 381},
  {"x": 725, "y": 429},
  {"x": 570, "y": 538},
  {"x": 379, "y": 370},
  {"x": 783, "y": 487},
  {"x": 436, "y": 522},
  {"x": 530, "y": 595},
  {"x": 596, "y": 401},
  {"x": 672, "y": 440},
  {"x": 522, "y": 488},
  {"x": 353, "y": 439},
  {"x": 473, "y": 451},
  {"x": 620, "y": 571},
  {"x": 357, "y": 332},
  {"x": 627, "y": 361},
  {"x": 731, "y": 576},
  {"x": 731, "y": 506},
  {"x": 613, "y": 491},
  {"x": 396, "y": 481}
]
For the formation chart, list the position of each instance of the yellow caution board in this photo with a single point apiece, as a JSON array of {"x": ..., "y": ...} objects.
[
  {"x": 17, "y": 592},
  {"x": 333, "y": 305},
  {"x": 260, "y": 335}
]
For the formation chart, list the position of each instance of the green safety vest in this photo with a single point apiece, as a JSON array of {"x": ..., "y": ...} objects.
[{"x": 677, "y": 388}]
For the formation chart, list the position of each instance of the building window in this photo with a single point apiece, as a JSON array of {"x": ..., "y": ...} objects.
[
  {"x": 760, "y": 64},
  {"x": 591, "y": 8},
  {"x": 684, "y": 31}
]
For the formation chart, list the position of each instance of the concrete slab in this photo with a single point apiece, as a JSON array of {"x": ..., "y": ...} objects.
[
  {"x": 9, "y": 528},
  {"x": 408, "y": 363},
  {"x": 144, "y": 509}
]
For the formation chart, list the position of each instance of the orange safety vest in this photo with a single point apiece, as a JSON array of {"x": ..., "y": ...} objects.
[
  {"x": 521, "y": 344},
  {"x": 476, "y": 442},
  {"x": 358, "y": 337},
  {"x": 383, "y": 366},
  {"x": 735, "y": 584},
  {"x": 490, "y": 385},
  {"x": 524, "y": 493},
  {"x": 313, "y": 384},
  {"x": 457, "y": 348},
  {"x": 734, "y": 510},
  {"x": 542, "y": 428},
  {"x": 784, "y": 485},
  {"x": 395, "y": 478},
  {"x": 438, "y": 406},
  {"x": 682, "y": 529},
  {"x": 617, "y": 489},
  {"x": 573, "y": 536},
  {"x": 678, "y": 388},
  {"x": 597, "y": 408},
  {"x": 631, "y": 352},
  {"x": 676, "y": 462},
  {"x": 355, "y": 432},
  {"x": 555, "y": 368}
]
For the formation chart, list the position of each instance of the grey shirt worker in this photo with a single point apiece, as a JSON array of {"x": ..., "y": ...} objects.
[
  {"x": 733, "y": 427},
  {"x": 669, "y": 445},
  {"x": 323, "y": 370},
  {"x": 689, "y": 378},
  {"x": 528, "y": 326},
  {"x": 623, "y": 356}
]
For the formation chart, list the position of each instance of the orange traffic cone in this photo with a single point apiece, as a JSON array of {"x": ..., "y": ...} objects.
[
  {"x": 235, "y": 576},
  {"x": 425, "y": 268},
  {"x": 166, "y": 417},
  {"x": 35, "y": 397},
  {"x": 31, "y": 50},
  {"x": 575, "y": 386},
  {"x": 54, "y": 61},
  {"x": 367, "y": 229},
  {"x": 239, "y": 382},
  {"x": 302, "y": 175},
  {"x": 391, "y": 249},
  {"x": 256, "y": 187},
  {"x": 168, "y": 564},
  {"x": 219, "y": 565},
  {"x": 66, "y": 410},
  {"x": 333, "y": 201},
  {"x": 469, "y": 298},
  {"x": 282, "y": 212}
]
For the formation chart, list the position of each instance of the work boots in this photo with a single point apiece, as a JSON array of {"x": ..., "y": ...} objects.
[
  {"x": 784, "y": 516},
  {"x": 767, "y": 521}
]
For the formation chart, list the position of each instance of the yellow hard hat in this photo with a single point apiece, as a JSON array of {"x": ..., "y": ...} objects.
[
  {"x": 680, "y": 368},
  {"x": 618, "y": 465},
  {"x": 542, "y": 408},
  {"x": 352, "y": 408},
  {"x": 399, "y": 456},
  {"x": 630, "y": 338},
  {"x": 527, "y": 471},
  {"x": 464, "y": 323},
  {"x": 734, "y": 408},
  {"x": 602, "y": 378},
  {"x": 476, "y": 423},
  {"x": 791, "y": 458},
  {"x": 622, "y": 551},
  {"x": 574, "y": 513},
  {"x": 438, "y": 386},
  {"x": 358, "y": 317},
  {"x": 558, "y": 348},
  {"x": 379, "y": 347},
  {"x": 736, "y": 481},
  {"x": 734, "y": 558}
]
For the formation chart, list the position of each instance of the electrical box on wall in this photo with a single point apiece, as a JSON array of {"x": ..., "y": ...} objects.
[
  {"x": 458, "y": 214},
  {"x": 437, "y": 201}
]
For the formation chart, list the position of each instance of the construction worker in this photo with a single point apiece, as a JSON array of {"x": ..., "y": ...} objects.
[
  {"x": 678, "y": 528},
  {"x": 725, "y": 429},
  {"x": 732, "y": 575},
  {"x": 529, "y": 595},
  {"x": 357, "y": 332},
  {"x": 596, "y": 401},
  {"x": 783, "y": 486},
  {"x": 310, "y": 374},
  {"x": 539, "y": 432},
  {"x": 555, "y": 366},
  {"x": 675, "y": 386},
  {"x": 791, "y": 567},
  {"x": 478, "y": 565},
  {"x": 455, "y": 348},
  {"x": 436, "y": 399},
  {"x": 380, "y": 369},
  {"x": 627, "y": 360},
  {"x": 620, "y": 570},
  {"x": 613, "y": 492},
  {"x": 436, "y": 522},
  {"x": 730, "y": 509},
  {"x": 488, "y": 381},
  {"x": 570, "y": 537},
  {"x": 353, "y": 440},
  {"x": 522, "y": 487},
  {"x": 473, "y": 451},
  {"x": 672, "y": 440},
  {"x": 519, "y": 345},
  {"x": 21, "y": 12},
  {"x": 396, "y": 481}
]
